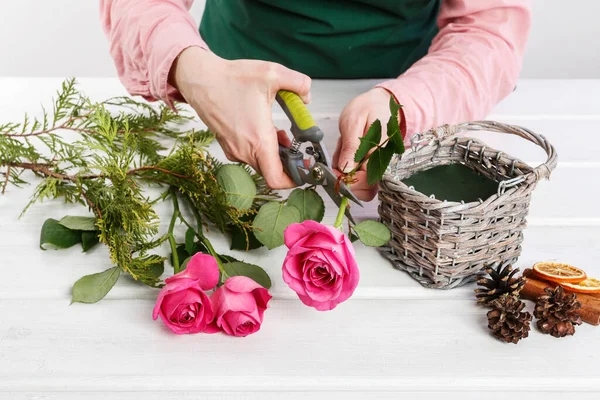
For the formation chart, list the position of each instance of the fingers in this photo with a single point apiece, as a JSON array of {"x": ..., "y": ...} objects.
[
  {"x": 288, "y": 79},
  {"x": 351, "y": 130},
  {"x": 361, "y": 189},
  {"x": 270, "y": 167},
  {"x": 283, "y": 138}
]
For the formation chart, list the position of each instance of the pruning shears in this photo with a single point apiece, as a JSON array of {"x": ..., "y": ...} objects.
[{"x": 318, "y": 172}]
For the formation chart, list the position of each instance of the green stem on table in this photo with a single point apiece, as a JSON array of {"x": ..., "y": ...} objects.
[
  {"x": 201, "y": 236},
  {"x": 175, "y": 257},
  {"x": 340, "y": 216}
]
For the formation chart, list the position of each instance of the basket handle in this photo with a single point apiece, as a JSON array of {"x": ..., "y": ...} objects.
[{"x": 542, "y": 171}]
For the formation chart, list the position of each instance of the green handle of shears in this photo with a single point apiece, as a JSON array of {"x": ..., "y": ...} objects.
[{"x": 304, "y": 128}]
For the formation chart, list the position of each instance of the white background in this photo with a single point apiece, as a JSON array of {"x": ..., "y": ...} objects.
[{"x": 64, "y": 38}]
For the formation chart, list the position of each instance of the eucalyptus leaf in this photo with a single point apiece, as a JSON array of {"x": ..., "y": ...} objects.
[
  {"x": 238, "y": 184},
  {"x": 56, "y": 236},
  {"x": 89, "y": 239},
  {"x": 254, "y": 272},
  {"x": 368, "y": 141},
  {"x": 79, "y": 223},
  {"x": 271, "y": 221},
  {"x": 92, "y": 288},
  {"x": 309, "y": 203},
  {"x": 373, "y": 233},
  {"x": 378, "y": 163}
]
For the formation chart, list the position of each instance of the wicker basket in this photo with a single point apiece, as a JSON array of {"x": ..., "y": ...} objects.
[{"x": 446, "y": 244}]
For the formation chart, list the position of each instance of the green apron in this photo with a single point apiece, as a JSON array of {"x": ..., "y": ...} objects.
[{"x": 324, "y": 38}]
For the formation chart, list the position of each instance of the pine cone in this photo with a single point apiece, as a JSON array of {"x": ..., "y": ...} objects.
[
  {"x": 556, "y": 312},
  {"x": 507, "y": 321},
  {"x": 501, "y": 281}
]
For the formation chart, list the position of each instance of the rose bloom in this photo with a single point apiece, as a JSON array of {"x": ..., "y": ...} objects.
[
  {"x": 320, "y": 265},
  {"x": 182, "y": 304},
  {"x": 239, "y": 306}
]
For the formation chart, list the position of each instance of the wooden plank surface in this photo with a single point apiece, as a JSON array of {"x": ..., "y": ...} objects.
[{"x": 393, "y": 338}]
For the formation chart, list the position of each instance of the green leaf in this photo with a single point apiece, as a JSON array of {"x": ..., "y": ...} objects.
[
  {"x": 182, "y": 254},
  {"x": 368, "y": 141},
  {"x": 79, "y": 223},
  {"x": 309, "y": 203},
  {"x": 377, "y": 164},
  {"x": 353, "y": 237},
  {"x": 254, "y": 272},
  {"x": 89, "y": 239},
  {"x": 92, "y": 288},
  {"x": 56, "y": 236},
  {"x": 239, "y": 240},
  {"x": 157, "y": 269},
  {"x": 271, "y": 221},
  {"x": 393, "y": 128},
  {"x": 373, "y": 233},
  {"x": 183, "y": 264},
  {"x": 238, "y": 184},
  {"x": 190, "y": 235}
]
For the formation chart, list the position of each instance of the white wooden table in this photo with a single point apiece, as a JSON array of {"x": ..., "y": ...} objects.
[{"x": 392, "y": 339}]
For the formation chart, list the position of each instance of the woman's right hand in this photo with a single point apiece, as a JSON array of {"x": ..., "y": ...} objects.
[{"x": 234, "y": 99}]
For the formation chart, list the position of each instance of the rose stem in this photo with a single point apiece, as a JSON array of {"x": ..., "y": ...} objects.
[
  {"x": 172, "y": 243},
  {"x": 340, "y": 216},
  {"x": 200, "y": 235}
]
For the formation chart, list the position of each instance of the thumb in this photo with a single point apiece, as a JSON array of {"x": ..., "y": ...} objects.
[
  {"x": 288, "y": 79},
  {"x": 351, "y": 132}
]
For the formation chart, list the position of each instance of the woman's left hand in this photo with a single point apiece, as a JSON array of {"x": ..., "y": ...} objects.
[{"x": 355, "y": 120}]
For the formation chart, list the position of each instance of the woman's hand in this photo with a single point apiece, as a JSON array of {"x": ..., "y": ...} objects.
[
  {"x": 234, "y": 100},
  {"x": 355, "y": 120}
]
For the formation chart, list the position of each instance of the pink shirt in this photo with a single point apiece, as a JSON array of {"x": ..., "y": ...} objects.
[{"x": 472, "y": 64}]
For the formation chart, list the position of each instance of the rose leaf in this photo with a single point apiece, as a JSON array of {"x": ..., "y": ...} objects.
[
  {"x": 254, "y": 272},
  {"x": 368, "y": 141},
  {"x": 378, "y": 163},
  {"x": 373, "y": 233}
]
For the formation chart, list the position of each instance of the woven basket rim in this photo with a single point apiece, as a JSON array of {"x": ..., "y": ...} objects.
[{"x": 446, "y": 133}]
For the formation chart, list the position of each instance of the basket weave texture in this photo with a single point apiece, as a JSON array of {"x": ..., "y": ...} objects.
[{"x": 445, "y": 244}]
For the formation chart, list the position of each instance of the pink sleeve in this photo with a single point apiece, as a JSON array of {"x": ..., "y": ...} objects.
[
  {"x": 472, "y": 64},
  {"x": 145, "y": 38}
]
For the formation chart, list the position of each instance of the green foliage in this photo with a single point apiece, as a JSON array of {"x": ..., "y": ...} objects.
[
  {"x": 372, "y": 233},
  {"x": 56, "y": 236},
  {"x": 92, "y": 288},
  {"x": 381, "y": 152},
  {"x": 271, "y": 221},
  {"x": 79, "y": 223},
  {"x": 117, "y": 148},
  {"x": 254, "y": 272},
  {"x": 308, "y": 202}
]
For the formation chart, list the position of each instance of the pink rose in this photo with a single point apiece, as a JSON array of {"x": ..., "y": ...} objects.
[
  {"x": 320, "y": 265},
  {"x": 239, "y": 306},
  {"x": 182, "y": 304}
]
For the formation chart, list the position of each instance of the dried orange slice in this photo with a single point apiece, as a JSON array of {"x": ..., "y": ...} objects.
[
  {"x": 590, "y": 285},
  {"x": 559, "y": 273}
]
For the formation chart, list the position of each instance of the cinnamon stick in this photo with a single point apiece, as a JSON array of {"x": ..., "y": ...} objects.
[{"x": 534, "y": 288}]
